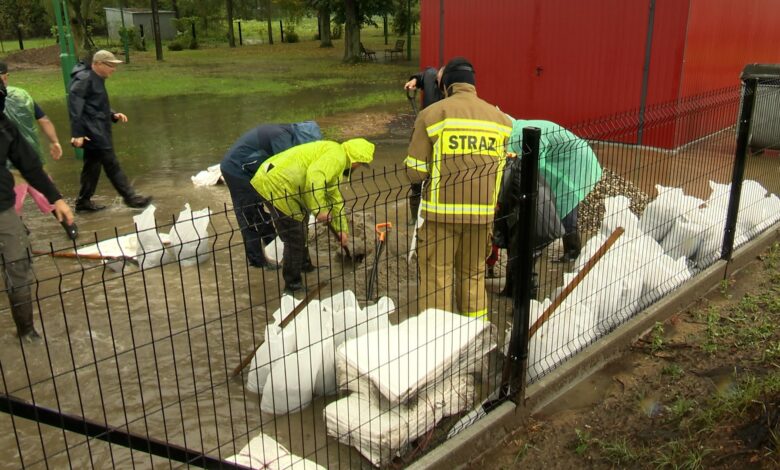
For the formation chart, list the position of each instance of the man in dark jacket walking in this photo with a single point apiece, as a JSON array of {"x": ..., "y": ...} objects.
[
  {"x": 14, "y": 244},
  {"x": 239, "y": 166},
  {"x": 91, "y": 118}
]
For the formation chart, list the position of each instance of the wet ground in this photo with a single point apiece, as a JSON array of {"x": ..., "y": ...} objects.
[{"x": 152, "y": 351}]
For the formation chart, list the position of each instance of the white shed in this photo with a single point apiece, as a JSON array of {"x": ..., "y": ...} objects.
[{"x": 141, "y": 20}]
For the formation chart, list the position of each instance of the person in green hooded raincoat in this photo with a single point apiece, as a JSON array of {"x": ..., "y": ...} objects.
[
  {"x": 305, "y": 180},
  {"x": 569, "y": 166}
]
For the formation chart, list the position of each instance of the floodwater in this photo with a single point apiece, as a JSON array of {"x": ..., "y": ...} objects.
[{"x": 152, "y": 352}]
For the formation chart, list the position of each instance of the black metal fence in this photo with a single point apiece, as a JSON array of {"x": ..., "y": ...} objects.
[{"x": 166, "y": 348}]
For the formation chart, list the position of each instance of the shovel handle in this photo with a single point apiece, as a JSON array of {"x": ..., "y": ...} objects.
[{"x": 382, "y": 229}]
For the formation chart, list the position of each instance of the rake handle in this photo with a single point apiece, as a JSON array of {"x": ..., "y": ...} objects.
[{"x": 576, "y": 280}]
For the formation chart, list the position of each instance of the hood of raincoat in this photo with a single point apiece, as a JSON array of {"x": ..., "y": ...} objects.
[
  {"x": 79, "y": 67},
  {"x": 358, "y": 151}
]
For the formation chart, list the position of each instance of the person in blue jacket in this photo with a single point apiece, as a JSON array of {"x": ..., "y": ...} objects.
[{"x": 240, "y": 164}]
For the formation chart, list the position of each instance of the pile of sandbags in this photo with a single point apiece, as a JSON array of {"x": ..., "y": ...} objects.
[
  {"x": 297, "y": 362},
  {"x": 693, "y": 228},
  {"x": 405, "y": 379},
  {"x": 264, "y": 452},
  {"x": 654, "y": 256},
  {"x": 188, "y": 241}
]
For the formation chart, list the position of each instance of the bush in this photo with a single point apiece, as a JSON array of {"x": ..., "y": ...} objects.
[
  {"x": 291, "y": 37},
  {"x": 175, "y": 46},
  {"x": 133, "y": 38}
]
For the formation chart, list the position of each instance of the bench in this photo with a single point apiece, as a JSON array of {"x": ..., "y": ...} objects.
[
  {"x": 398, "y": 49},
  {"x": 367, "y": 54}
]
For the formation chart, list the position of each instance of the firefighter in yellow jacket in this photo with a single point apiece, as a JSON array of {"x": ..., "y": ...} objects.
[{"x": 458, "y": 149}]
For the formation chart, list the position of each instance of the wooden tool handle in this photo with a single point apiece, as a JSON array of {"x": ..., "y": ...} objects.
[
  {"x": 576, "y": 280},
  {"x": 76, "y": 255}
]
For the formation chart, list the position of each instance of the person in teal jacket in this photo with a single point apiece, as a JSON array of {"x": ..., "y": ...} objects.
[
  {"x": 570, "y": 167},
  {"x": 305, "y": 180}
]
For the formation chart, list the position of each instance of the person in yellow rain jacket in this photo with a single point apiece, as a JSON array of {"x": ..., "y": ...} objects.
[
  {"x": 302, "y": 180},
  {"x": 458, "y": 149}
]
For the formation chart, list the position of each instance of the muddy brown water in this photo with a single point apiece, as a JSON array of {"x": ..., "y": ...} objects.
[{"x": 151, "y": 352}]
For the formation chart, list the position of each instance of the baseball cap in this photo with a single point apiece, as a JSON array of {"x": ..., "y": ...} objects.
[
  {"x": 3, "y": 68},
  {"x": 106, "y": 57}
]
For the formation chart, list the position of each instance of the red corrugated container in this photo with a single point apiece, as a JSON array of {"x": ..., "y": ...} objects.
[{"x": 572, "y": 62}]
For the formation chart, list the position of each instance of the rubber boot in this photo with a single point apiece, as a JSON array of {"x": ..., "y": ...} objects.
[
  {"x": 571, "y": 247},
  {"x": 22, "y": 312}
]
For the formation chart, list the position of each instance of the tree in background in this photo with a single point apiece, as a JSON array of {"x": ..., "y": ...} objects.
[
  {"x": 23, "y": 18},
  {"x": 401, "y": 16},
  {"x": 354, "y": 14},
  {"x": 231, "y": 35}
]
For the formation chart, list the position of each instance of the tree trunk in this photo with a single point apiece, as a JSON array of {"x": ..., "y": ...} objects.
[
  {"x": 325, "y": 40},
  {"x": 231, "y": 34},
  {"x": 156, "y": 28},
  {"x": 351, "y": 32},
  {"x": 270, "y": 25},
  {"x": 175, "y": 6}
]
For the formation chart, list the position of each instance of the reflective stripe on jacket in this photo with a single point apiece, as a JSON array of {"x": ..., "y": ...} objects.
[{"x": 458, "y": 144}]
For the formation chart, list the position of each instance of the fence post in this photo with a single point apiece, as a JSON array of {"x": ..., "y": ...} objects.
[
  {"x": 738, "y": 174},
  {"x": 522, "y": 265}
]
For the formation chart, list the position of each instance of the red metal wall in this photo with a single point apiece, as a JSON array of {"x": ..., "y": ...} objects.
[{"x": 572, "y": 62}]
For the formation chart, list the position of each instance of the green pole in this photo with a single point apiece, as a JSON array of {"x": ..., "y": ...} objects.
[
  {"x": 67, "y": 48},
  {"x": 409, "y": 30},
  {"x": 125, "y": 40}
]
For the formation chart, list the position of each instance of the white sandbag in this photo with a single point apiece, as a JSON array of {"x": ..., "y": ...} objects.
[
  {"x": 770, "y": 213},
  {"x": 618, "y": 214},
  {"x": 590, "y": 249},
  {"x": 663, "y": 276},
  {"x": 568, "y": 330},
  {"x": 274, "y": 251},
  {"x": 350, "y": 321},
  {"x": 245, "y": 461},
  {"x": 125, "y": 245},
  {"x": 713, "y": 219},
  {"x": 263, "y": 452},
  {"x": 276, "y": 345},
  {"x": 293, "y": 380},
  {"x": 381, "y": 431},
  {"x": 264, "y": 449},
  {"x": 150, "y": 251},
  {"x": 684, "y": 238},
  {"x": 612, "y": 289},
  {"x": 751, "y": 208},
  {"x": 290, "y": 385},
  {"x": 207, "y": 178},
  {"x": 660, "y": 214},
  {"x": 189, "y": 236},
  {"x": 408, "y": 357}
]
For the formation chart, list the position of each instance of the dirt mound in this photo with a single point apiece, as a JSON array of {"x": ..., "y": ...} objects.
[{"x": 32, "y": 58}]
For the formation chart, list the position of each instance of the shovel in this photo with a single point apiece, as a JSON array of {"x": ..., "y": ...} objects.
[
  {"x": 412, "y": 97},
  {"x": 381, "y": 230}
]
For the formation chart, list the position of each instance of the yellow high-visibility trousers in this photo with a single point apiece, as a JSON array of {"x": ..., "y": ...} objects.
[{"x": 451, "y": 258}]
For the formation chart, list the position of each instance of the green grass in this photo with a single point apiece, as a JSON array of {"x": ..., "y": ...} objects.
[
  {"x": 12, "y": 45},
  {"x": 259, "y": 70}
]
